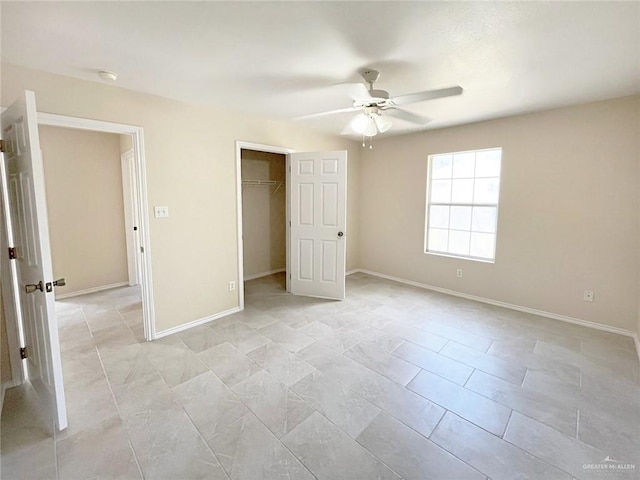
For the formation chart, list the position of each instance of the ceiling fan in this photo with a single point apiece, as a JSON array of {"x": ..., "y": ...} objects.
[{"x": 372, "y": 103}]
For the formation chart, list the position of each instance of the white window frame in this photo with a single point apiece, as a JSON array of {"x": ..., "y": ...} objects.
[{"x": 428, "y": 204}]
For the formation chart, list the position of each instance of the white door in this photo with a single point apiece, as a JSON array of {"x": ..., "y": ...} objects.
[
  {"x": 130, "y": 198},
  {"x": 318, "y": 199},
  {"x": 28, "y": 217}
]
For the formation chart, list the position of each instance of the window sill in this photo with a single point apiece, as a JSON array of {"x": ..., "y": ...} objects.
[{"x": 461, "y": 257}]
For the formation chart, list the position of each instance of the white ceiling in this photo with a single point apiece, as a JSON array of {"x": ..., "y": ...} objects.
[{"x": 280, "y": 59}]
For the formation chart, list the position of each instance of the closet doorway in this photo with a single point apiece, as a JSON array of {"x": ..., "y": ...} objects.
[{"x": 263, "y": 246}]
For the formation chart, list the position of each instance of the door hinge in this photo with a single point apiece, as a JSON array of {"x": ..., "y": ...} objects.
[
  {"x": 2, "y": 146},
  {"x": 12, "y": 253},
  {"x": 141, "y": 249},
  {"x": 23, "y": 353}
]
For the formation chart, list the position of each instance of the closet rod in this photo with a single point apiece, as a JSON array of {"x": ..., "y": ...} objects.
[
  {"x": 263, "y": 183},
  {"x": 260, "y": 182}
]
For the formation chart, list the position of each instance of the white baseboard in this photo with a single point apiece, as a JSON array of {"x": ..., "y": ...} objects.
[
  {"x": 351, "y": 272},
  {"x": 264, "y": 274},
  {"x": 86, "y": 291},
  {"x": 195, "y": 323},
  {"x": 542, "y": 313}
]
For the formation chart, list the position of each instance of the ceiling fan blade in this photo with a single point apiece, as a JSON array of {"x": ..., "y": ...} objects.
[
  {"x": 330, "y": 112},
  {"x": 427, "y": 95},
  {"x": 408, "y": 116}
]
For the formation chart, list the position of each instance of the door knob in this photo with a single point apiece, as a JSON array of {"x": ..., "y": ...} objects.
[
  {"x": 32, "y": 287},
  {"x": 61, "y": 282},
  {"x": 340, "y": 234}
]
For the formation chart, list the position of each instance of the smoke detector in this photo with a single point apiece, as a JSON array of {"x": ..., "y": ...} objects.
[{"x": 106, "y": 75}]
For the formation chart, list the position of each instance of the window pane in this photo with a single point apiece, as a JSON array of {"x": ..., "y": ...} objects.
[
  {"x": 459, "y": 242},
  {"x": 462, "y": 203},
  {"x": 437, "y": 240},
  {"x": 486, "y": 190},
  {"x": 482, "y": 245},
  {"x": 441, "y": 166},
  {"x": 439, "y": 216},
  {"x": 441, "y": 191},
  {"x": 461, "y": 218},
  {"x": 463, "y": 165},
  {"x": 462, "y": 191},
  {"x": 484, "y": 219},
  {"x": 488, "y": 163}
]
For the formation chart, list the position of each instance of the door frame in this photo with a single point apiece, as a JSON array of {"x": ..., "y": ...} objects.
[
  {"x": 137, "y": 134},
  {"x": 241, "y": 145},
  {"x": 10, "y": 299}
]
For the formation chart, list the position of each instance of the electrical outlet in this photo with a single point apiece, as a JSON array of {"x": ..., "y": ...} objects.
[
  {"x": 459, "y": 273},
  {"x": 161, "y": 212},
  {"x": 232, "y": 286},
  {"x": 588, "y": 296}
]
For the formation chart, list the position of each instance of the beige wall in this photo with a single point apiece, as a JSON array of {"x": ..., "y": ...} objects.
[
  {"x": 190, "y": 167},
  {"x": 126, "y": 143},
  {"x": 263, "y": 213},
  {"x": 568, "y": 215},
  {"x": 83, "y": 179},
  {"x": 5, "y": 360}
]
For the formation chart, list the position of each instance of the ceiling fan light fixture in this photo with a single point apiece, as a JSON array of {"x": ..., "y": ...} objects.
[
  {"x": 359, "y": 123},
  {"x": 371, "y": 129},
  {"x": 383, "y": 123}
]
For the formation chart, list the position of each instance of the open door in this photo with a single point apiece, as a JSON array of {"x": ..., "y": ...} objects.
[
  {"x": 318, "y": 200},
  {"x": 28, "y": 219}
]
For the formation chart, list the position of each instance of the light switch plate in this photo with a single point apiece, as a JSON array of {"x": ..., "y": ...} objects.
[{"x": 161, "y": 212}]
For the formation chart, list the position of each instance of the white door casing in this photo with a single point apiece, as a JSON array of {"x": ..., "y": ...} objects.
[
  {"x": 28, "y": 217},
  {"x": 318, "y": 202}
]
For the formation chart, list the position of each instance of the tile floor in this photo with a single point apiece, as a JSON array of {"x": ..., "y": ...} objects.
[{"x": 394, "y": 382}]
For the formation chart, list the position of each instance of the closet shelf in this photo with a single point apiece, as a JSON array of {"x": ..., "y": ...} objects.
[{"x": 263, "y": 183}]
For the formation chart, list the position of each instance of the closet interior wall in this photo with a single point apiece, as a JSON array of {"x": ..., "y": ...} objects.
[{"x": 263, "y": 213}]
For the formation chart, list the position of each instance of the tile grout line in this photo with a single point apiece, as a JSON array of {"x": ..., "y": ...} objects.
[
  {"x": 126, "y": 430},
  {"x": 528, "y": 452},
  {"x": 507, "y": 406},
  {"x": 200, "y": 433},
  {"x": 526, "y": 372},
  {"x": 55, "y": 433},
  {"x": 133, "y": 450},
  {"x": 427, "y": 370},
  {"x": 341, "y": 430},
  {"x": 506, "y": 427},
  {"x": 180, "y": 403},
  {"x": 469, "y": 378},
  {"x": 228, "y": 387},
  {"x": 264, "y": 424},
  {"x": 411, "y": 428}
]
